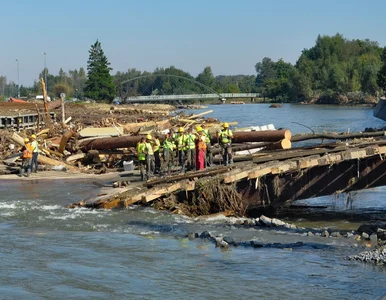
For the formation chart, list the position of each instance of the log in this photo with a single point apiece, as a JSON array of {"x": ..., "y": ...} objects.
[
  {"x": 46, "y": 107},
  {"x": 200, "y": 114},
  {"x": 52, "y": 152},
  {"x": 126, "y": 141},
  {"x": 17, "y": 139},
  {"x": 53, "y": 162},
  {"x": 44, "y": 131},
  {"x": 135, "y": 127},
  {"x": 258, "y": 136},
  {"x": 282, "y": 144},
  {"x": 75, "y": 157},
  {"x": 337, "y": 136},
  {"x": 64, "y": 140}
]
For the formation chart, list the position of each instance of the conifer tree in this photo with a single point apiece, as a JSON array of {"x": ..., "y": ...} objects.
[{"x": 99, "y": 85}]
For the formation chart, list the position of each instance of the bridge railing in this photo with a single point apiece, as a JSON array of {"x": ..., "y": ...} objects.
[{"x": 190, "y": 97}]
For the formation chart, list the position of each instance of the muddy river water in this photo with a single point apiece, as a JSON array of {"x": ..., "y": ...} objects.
[{"x": 48, "y": 251}]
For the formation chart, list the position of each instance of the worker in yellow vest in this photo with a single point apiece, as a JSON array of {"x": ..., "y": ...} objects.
[
  {"x": 173, "y": 139},
  {"x": 181, "y": 143},
  {"x": 141, "y": 157},
  {"x": 168, "y": 153},
  {"x": 225, "y": 140},
  {"x": 35, "y": 153},
  {"x": 156, "y": 149},
  {"x": 190, "y": 150},
  {"x": 27, "y": 151},
  {"x": 149, "y": 156}
]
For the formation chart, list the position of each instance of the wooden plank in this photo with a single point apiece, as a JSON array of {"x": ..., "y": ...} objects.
[
  {"x": 236, "y": 176},
  {"x": 282, "y": 155},
  {"x": 259, "y": 172}
]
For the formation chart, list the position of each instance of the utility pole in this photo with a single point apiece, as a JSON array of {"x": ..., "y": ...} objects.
[
  {"x": 45, "y": 69},
  {"x": 18, "y": 79}
]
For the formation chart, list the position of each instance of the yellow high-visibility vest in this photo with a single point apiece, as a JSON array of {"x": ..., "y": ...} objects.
[
  {"x": 140, "y": 151},
  {"x": 226, "y": 136}
]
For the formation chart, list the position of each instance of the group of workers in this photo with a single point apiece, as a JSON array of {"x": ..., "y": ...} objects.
[
  {"x": 189, "y": 150},
  {"x": 30, "y": 152}
]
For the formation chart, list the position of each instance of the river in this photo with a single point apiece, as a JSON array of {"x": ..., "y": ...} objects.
[{"x": 48, "y": 251}]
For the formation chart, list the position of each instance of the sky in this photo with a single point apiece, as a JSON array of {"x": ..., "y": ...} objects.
[{"x": 230, "y": 36}]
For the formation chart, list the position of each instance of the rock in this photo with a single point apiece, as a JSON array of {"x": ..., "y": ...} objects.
[
  {"x": 257, "y": 222},
  {"x": 249, "y": 222},
  {"x": 374, "y": 239},
  {"x": 367, "y": 228},
  {"x": 381, "y": 234},
  {"x": 310, "y": 233},
  {"x": 265, "y": 220},
  {"x": 336, "y": 234},
  {"x": 289, "y": 226},
  {"x": 318, "y": 234},
  {"x": 192, "y": 235},
  {"x": 325, "y": 233},
  {"x": 365, "y": 235},
  {"x": 256, "y": 244},
  {"x": 229, "y": 240},
  {"x": 220, "y": 243},
  {"x": 277, "y": 222},
  {"x": 349, "y": 235},
  {"x": 357, "y": 237},
  {"x": 205, "y": 235}
]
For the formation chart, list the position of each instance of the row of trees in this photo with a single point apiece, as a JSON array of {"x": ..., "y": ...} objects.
[{"x": 335, "y": 66}]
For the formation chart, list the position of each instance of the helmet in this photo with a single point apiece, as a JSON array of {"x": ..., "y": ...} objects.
[
  {"x": 225, "y": 125},
  {"x": 198, "y": 128},
  {"x": 149, "y": 137},
  {"x": 26, "y": 140},
  {"x": 181, "y": 129},
  {"x": 33, "y": 136}
]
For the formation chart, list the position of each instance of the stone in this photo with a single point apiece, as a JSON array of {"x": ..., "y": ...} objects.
[
  {"x": 349, "y": 235},
  {"x": 365, "y": 235},
  {"x": 277, "y": 222},
  {"x": 229, "y": 240},
  {"x": 335, "y": 234},
  {"x": 220, "y": 243},
  {"x": 191, "y": 236},
  {"x": 374, "y": 239},
  {"x": 265, "y": 220},
  {"x": 205, "y": 235},
  {"x": 310, "y": 233},
  {"x": 257, "y": 222},
  {"x": 256, "y": 244},
  {"x": 381, "y": 234},
  {"x": 325, "y": 233},
  {"x": 318, "y": 234},
  {"x": 367, "y": 228}
]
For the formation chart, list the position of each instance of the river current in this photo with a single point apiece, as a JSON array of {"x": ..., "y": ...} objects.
[{"x": 48, "y": 251}]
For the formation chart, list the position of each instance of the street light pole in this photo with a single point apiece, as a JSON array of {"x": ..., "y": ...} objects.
[
  {"x": 45, "y": 68},
  {"x": 18, "y": 79}
]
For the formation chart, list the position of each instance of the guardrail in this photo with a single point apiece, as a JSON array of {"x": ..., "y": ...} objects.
[{"x": 190, "y": 97}]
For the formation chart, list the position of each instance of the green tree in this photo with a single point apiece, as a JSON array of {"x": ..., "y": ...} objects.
[
  {"x": 206, "y": 77},
  {"x": 62, "y": 87},
  {"x": 99, "y": 85},
  {"x": 381, "y": 76}
]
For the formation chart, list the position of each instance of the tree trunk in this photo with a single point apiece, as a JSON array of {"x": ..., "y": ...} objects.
[{"x": 126, "y": 141}]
